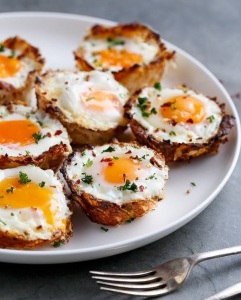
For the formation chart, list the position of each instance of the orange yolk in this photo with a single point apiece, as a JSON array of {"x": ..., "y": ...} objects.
[
  {"x": 101, "y": 101},
  {"x": 18, "y": 132},
  {"x": 183, "y": 109},
  {"x": 9, "y": 66},
  {"x": 123, "y": 58},
  {"x": 16, "y": 195},
  {"x": 120, "y": 170}
]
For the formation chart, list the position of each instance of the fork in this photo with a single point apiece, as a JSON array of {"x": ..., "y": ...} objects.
[{"x": 158, "y": 281}]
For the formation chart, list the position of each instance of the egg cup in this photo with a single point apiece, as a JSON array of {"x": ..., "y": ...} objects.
[
  {"x": 115, "y": 183},
  {"x": 166, "y": 121},
  {"x": 20, "y": 63},
  {"x": 29, "y": 137},
  {"x": 33, "y": 209},
  {"x": 136, "y": 72},
  {"x": 88, "y": 104}
]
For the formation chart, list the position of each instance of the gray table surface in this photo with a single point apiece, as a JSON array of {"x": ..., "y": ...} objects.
[{"x": 211, "y": 32}]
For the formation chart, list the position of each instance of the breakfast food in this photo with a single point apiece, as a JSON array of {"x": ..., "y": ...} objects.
[
  {"x": 179, "y": 123},
  {"x": 116, "y": 182},
  {"x": 33, "y": 209},
  {"x": 88, "y": 104},
  {"x": 28, "y": 137},
  {"x": 20, "y": 62},
  {"x": 132, "y": 52}
]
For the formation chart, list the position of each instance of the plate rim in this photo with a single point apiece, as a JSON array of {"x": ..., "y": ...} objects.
[{"x": 175, "y": 224}]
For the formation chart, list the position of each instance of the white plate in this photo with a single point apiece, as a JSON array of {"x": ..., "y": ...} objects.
[{"x": 57, "y": 35}]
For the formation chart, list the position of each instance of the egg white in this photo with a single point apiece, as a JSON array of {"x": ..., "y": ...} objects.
[
  {"x": 92, "y": 46},
  {"x": 25, "y": 221},
  {"x": 184, "y": 132},
  {"x": 49, "y": 125},
  {"x": 151, "y": 177},
  {"x": 68, "y": 87}
]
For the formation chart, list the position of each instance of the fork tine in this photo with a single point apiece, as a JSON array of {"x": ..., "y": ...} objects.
[
  {"x": 126, "y": 274},
  {"x": 134, "y": 286},
  {"x": 152, "y": 293},
  {"x": 125, "y": 279}
]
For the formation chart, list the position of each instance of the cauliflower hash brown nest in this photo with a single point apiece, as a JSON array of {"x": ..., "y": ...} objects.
[
  {"x": 179, "y": 123},
  {"x": 33, "y": 209},
  {"x": 115, "y": 182},
  {"x": 88, "y": 104},
  {"x": 20, "y": 62},
  {"x": 132, "y": 52},
  {"x": 28, "y": 137}
]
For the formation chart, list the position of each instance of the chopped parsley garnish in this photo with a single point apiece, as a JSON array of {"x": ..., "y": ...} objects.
[
  {"x": 157, "y": 86},
  {"x": 12, "y": 214},
  {"x": 143, "y": 106},
  {"x": 58, "y": 243},
  {"x": 2, "y": 48},
  {"x": 172, "y": 133},
  {"x": 193, "y": 183},
  {"x": 114, "y": 42},
  {"x": 27, "y": 115},
  {"x": 23, "y": 178},
  {"x": 104, "y": 229},
  {"x": 27, "y": 152},
  {"x": 40, "y": 123},
  {"x": 88, "y": 163},
  {"x": 38, "y": 136},
  {"x": 87, "y": 178},
  {"x": 10, "y": 190},
  {"x": 115, "y": 157},
  {"x": 128, "y": 186},
  {"x": 3, "y": 222},
  {"x": 109, "y": 149},
  {"x": 42, "y": 184},
  {"x": 211, "y": 118},
  {"x": 83, "y": 153},
  {"x": 12, "y": 54},
  {"x": 151, "y": 177},
  {"x": 130, "y": 220}
]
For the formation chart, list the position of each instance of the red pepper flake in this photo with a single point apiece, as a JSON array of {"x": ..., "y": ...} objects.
[
  {"x": 124, "y": 177},
  {"x": 93, "y": 154},
  {"x": 107, "y": 159},
  {"x": 44, "y": 93},
  {"x": 77, "y": 181},
  {"x": 128, "y": 152},
  {"x": 34, "y": 208},
  {"x": 110, "y": 163},
  {"x": 141, "y": 188},
  {"x": 190, "y": 121},
  {"x": 49, "y": 134},
  {"x": 58, "y": 132},
  {"x": 66, "y": 82},
  {"x": 172, "y": 122},
  {"x": 53, "y": 186},
  {"x": 135, "y": 157}
]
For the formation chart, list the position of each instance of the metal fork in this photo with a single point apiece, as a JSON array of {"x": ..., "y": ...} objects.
[{"x": 158, "y": 281}]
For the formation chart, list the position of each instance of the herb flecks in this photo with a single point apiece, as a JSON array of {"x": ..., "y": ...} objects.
[
  {"x": 114, "y": 42},
  {"x": 58, "y": 243},
  {"x": 88, "y": 164},
  {"x": 193, "y": 183},
  {"x": 109, "y": 149},
  {"x": 23, "y": 178},
  {"x": 2, "y": 48},
  {"x": 128, "y": 186},
  {"x": 172, "y": 133},
  {"x": 211, "y": 119},
  {"x": 38, "y": 136},
  {"x": 157, "y": 86},
  {"x": 42, "y": 184},
  {"x": 87, "y": 178},
  {"x": 104, "y": 229},
  {"x": 10, "y": 190},
  {"x": 13, "y": 53},
  {"x": 144, "y": 106}
]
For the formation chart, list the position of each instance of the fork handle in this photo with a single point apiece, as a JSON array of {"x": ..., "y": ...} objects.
[
  {"x": 217, "y": 253},
  {"x": 229, "y": 292}
]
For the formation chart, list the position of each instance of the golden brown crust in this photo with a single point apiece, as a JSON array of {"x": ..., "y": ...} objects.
[
  {"x": 50, "y": 159},
  {"x": 78, "y": 133},
  {"x": 181, "y": 151},
  {"x": 8, "y": 91},
  {"x": 137, "y": 76},
  {"x": 13, "y": 241}
]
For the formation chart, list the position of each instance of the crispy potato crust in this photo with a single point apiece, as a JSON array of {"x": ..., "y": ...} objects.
[
  {"x": 182, "y": 151},
  {"x": 78, "y": 133},
  {"x": 8, "y": 91},
  {"x": 12, "y": 241},
  {"x": 137, "y": 76},
  {"x": 50, "y": 159},
  {"x": 105, "y": 212}
]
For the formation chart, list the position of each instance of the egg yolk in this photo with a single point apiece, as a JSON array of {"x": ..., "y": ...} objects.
[
  {"x": 101, "y": 101},
  {"x": 18, "y": 132},
  {"x": 9, "y": 66},
  {"x": 119, "y": 170},
  {"x": 183, "y": 109},
  {"x": 123, "y": 58},
  {"x": 16, "y": 195}
]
